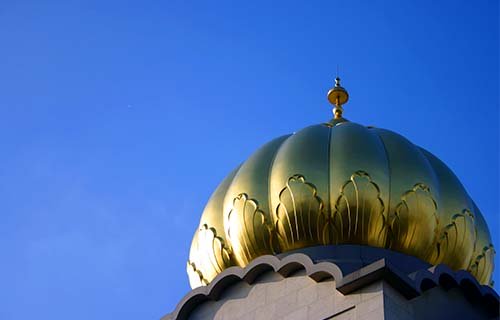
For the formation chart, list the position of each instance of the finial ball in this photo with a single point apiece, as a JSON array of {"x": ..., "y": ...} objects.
[{"x": 337, "y": 96}]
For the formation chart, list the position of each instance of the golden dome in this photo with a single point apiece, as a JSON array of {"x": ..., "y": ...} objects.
[{"x": 341, "y": 183}]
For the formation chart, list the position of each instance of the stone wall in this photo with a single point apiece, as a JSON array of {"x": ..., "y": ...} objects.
[{"x": 297, "y": 297}]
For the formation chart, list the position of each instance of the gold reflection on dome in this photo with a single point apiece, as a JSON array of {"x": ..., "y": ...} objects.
[{"x": 341, "y": 183}]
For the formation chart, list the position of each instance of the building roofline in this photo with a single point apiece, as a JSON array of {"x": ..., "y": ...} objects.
[{"x": 410, "y": 286}]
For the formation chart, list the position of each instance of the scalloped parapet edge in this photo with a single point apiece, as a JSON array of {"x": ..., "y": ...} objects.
[{"x": 410, "y": 286}]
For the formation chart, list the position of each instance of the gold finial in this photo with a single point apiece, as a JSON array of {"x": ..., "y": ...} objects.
[{"x": 337, "y": 96}]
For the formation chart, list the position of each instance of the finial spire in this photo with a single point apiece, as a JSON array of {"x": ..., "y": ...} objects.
[{"x": 338, "y": 96}]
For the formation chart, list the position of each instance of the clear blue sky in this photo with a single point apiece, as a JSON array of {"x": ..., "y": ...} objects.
[{"x": 119, "y": 118}]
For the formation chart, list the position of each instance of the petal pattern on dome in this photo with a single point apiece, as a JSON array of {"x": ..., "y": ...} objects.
[
  {"x": 482, "y": 262},
  {"x": 414, "y": 222},
  {"x": 211, "y": 255},
  {"x": 247, "y": 230},
  {"x": 196, "y": 278},
  {"x": 358, "y": 215},
  {"x": 481, "y": 266},
  {"x": 454, "y": 243},
  {"x": 300, "y": 219}
]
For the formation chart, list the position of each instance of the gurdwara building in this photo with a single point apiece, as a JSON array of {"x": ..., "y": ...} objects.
[{"x": 340, "y": 221}]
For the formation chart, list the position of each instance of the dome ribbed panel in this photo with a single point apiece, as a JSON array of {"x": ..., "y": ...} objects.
[
  {"x": 210, "y": 251},
  {"x": 457, "y": 232},
  {"x": 482, "y": 262},
  {"x": 413, "y": 210},
  {"x": 247, "y": 218},
  {"x": 359, "y": 185},
  {"x": 298, "y": 188}
]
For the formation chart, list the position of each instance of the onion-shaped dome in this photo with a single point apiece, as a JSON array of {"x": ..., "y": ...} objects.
[{"x": 341, "y": 183}]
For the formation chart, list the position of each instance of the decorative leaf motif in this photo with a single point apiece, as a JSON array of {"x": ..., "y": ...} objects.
[
  {"x": 248, "y": 230},
  {"x": 212, "y": 255},
  {"x": 455, "y": 244},
  {"x": 414, "y": 223},
  {"x": 481, "y": 266},
  {"x": 196, "y": 278},
  {"x": 300, "y": 219},
  {"x": 358, "y": 215}
]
